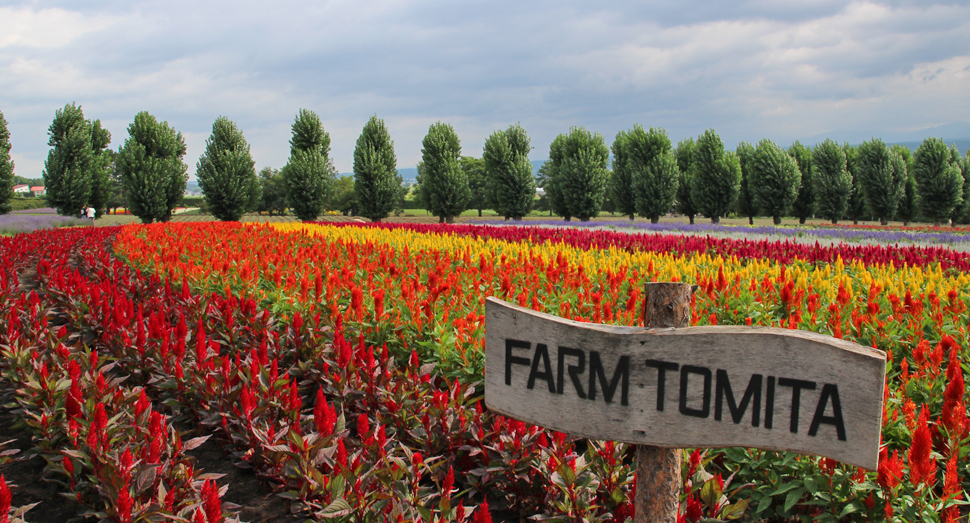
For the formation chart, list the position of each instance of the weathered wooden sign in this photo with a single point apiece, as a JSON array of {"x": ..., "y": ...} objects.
[{"x": 721, "y": 386}]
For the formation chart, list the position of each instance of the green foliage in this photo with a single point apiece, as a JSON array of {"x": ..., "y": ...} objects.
[
  {"x": 343, "y": 199},
  {"x": 775, "y": 180},
  {"x": 962, "y": 214},
  {"x": 653, "y": 171},
  {"x": 226, "y": 173},
  {"x": 76, "y": 171},
  {"x": 578, "y": 174},
  {"x": 909, "y": 206},
  {"x": 621, "y": 182},
  {"x": 150, "y": 168},
  {"x": 6, "y": 168},
  {"x": 272, "y": 197},
  {"x": 474, "y": 169},
  {"x": 804, "y": 205},
  {"x": 511, "y": 188},
  {"x": 308, "y": 176},
  {"x": 938, "y": 179},
  {"x": 23, "y": 204},
  {"x": 376, "y": 181},
  {"x": 715, "y": 177},
  {"x": 443, "y": 184},
  {"x": 833, "y": 183},
  {"x": 882, "y": 175},
  {"x": 745, "y": 204},
  {"x": 685, "y": 155},
  {"x": 857, "y": 209}
]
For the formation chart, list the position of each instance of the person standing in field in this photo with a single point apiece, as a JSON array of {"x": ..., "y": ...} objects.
[{"x": 90, "y": 213}]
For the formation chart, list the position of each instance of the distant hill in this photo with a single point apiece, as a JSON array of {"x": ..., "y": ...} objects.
[
  {"x": 410, "y": 174},
  {"x": 963, "y": 144}
]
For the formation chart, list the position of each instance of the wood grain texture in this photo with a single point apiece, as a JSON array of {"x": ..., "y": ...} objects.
[
  {"x": 657, "y": 499},
  {"x": 805, "y": 392}
]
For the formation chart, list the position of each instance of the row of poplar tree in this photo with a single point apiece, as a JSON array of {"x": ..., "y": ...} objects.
[{"x": 649, "y": 177}]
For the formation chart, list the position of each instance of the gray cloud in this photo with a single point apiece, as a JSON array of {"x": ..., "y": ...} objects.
[{"x": 785, "y": 70}]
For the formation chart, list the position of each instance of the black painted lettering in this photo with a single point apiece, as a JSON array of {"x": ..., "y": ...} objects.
[
  {"x": 705, "y": 409},
  {"x": 574, "y": 370},
  {"x": 722, "y": 392},
  {"x": 830, "y": 392},
  {"x": 796, "y": 397},
  {"x": 621, "y": 377},
  {"x": 514, "y": 360},
  {"x": 662, "y": 367},
  {"x": 770, "y": 402},
  {"x": 542, "y": 352}
]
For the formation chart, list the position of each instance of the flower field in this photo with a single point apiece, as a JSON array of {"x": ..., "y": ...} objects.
[{"x": 343, "y": 364}]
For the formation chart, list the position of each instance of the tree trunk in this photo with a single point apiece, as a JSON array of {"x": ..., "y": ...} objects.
[
  {"x": 776, "y": 220},
  {"x": 835, "y": 221},
  {"x": 691, "y": 217},
  {"x": 567, "y": 218},
  {"x": 715, "y": 219},
  {"x": 632, "y": 217},
  {"x": 479, "y": 213},
  {"x": 441, "y": 219},
  {"x": 883, "y": 221},
  {"x": 654, "y": 219},
  {"x": 801, "y": 220},
  {"x": 750, "y": 220}
]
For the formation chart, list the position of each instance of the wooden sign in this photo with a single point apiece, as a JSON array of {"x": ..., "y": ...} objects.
[{"x": 718, "y": 386}]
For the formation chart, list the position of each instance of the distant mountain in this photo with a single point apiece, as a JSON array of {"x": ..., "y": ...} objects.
[
  {"x": 410, "y": 174},
  {"x": 952, "y": 133}
]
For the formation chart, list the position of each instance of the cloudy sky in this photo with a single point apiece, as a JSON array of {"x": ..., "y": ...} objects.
[{"x": 781, "y": 69}]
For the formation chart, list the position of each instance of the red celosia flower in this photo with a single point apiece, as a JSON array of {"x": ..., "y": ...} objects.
[
  {"x": 922, "y": 467},
  {"x": 694, "y": 510},
  {"x": 5, "y": 498},
  {"x": 481, "y": 514},
  {"x": 324, "y": 416},
  {"x": 953, "y": 396},
  {"x": 951, "y": 487},
  {"x": 363, "y": 426},
  {"x": 448, "y": 483},
  {"x": 890, "y": 470},
  {"x": 210, "y": 501},
  {"x": 124, "y": 505}
]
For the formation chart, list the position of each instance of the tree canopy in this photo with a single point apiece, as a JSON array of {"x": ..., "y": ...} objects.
[
  {"x": 150, "y": 168},
  {"x": 715, "y": 177},
  {"x": 377, "y": 184},
  {"x": 511, "y": 188},
  {"x": 226, "y": 173}
]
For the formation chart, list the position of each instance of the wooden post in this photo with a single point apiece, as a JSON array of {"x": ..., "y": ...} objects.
[{"x": 658, "y": 469}]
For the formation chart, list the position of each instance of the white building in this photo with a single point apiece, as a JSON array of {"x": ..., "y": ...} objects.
[
  {"x": 21, "y": 188},
  {"x": 38, "y": 190}
]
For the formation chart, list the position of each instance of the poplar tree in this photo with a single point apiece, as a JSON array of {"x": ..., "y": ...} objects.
[
  {"x": 150, "y": 168},
  {"x": 746, "y": 205},
  {"x": 804, "y": 205},
  {"x": 226, "y": 173},
  {"x": 715, "y": 177},
  {"x": 376, "y": 181},
  {"x": 961, "y": 214},
  {"x": 653, "y": 171},
  {"x": 939, "y": 180},
  {"x": 309, "y": 174},
  {"x": 621, "y": 183},
  {"x": 511, "y": 188},
  {"x": 474, "y": 169},
  {"x": 684, "y": 204},
  {"x": 578, "y": 172},
  {"x": 76, "y": 171},
  {"x": 443, "y": 185},
  {"x": 775, "y": 180},
  {"x": 833, "y": 183},
  {"x": 882, "y": 174},
  {"x": 6, "y": 168},
  {"x": 857, "y": 209}
]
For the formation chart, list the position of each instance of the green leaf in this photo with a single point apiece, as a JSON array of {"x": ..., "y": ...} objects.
[
  {"x": 793, "y": 497},
  {"x": 735, "y": 510},
  {"x": 336, "y": 509}
]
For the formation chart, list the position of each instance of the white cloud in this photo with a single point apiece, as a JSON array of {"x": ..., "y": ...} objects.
[{"x": 752, "y": 69}]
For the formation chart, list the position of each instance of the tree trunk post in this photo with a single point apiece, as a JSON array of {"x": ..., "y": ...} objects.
[{"x": 658, "y": 469}]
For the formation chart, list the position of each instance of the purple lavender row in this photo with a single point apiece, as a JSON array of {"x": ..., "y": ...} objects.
[
  {"x": 14, "y": 223},
  {"x": 849, "y": 235}
]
